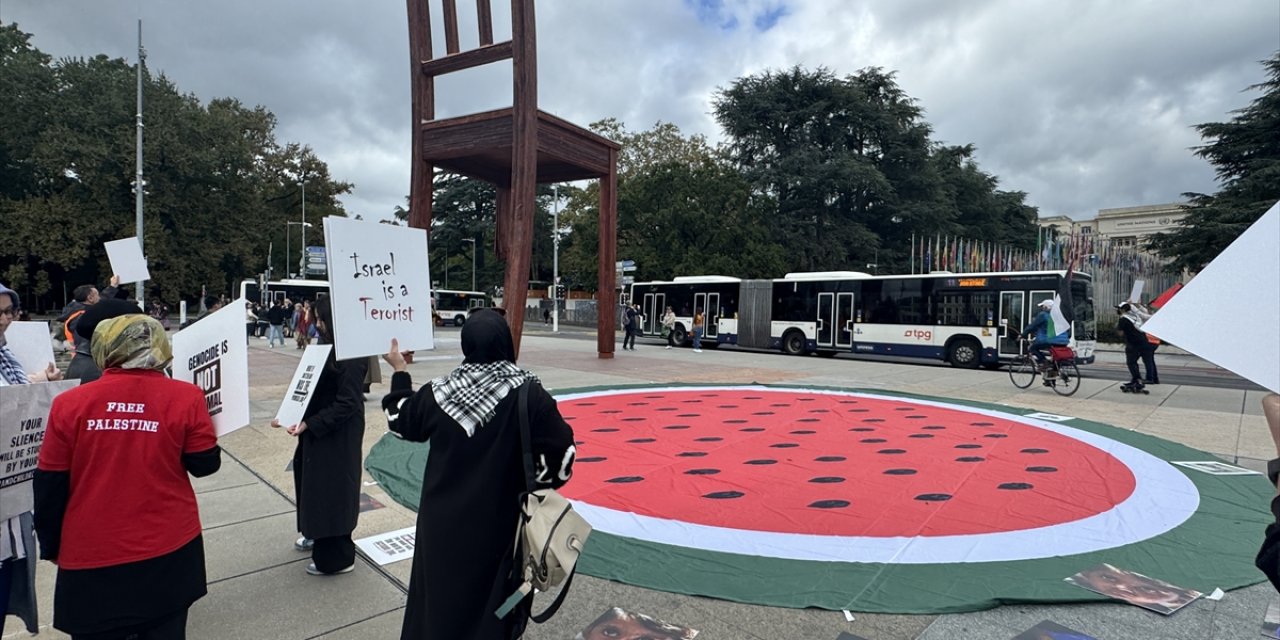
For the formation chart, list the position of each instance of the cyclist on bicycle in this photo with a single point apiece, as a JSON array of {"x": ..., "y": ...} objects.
[{"x": 1040, "y": 325}]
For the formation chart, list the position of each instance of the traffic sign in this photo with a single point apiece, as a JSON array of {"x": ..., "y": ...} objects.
[
  {"x": 630, "y": 268},
  {"x": 623, "y": 264},
  {"x": 628, "y": 280}
]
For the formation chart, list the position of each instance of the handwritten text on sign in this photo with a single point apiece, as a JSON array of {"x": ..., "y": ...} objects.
[{"x": 380, "y": 281}]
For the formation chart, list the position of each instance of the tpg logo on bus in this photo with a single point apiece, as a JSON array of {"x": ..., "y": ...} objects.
[{"x": 918, "y": 334}]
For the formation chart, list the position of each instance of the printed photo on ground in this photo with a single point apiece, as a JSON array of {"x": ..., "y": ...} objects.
[
  {"x": 619, "y": 624},
  {"x": 1134, "y": 588},
  {"x": 1271, "y": 621},
  {"x": 1049, "y": 630}
]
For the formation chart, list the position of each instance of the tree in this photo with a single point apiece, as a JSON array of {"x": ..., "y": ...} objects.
[{"x": 1245, "y": 153}]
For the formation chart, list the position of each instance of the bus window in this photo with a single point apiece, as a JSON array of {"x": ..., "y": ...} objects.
[{"x": 966, "y": 309}]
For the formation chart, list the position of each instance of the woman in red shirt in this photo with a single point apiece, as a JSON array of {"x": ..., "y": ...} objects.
[{"x": 114, "y": 506}]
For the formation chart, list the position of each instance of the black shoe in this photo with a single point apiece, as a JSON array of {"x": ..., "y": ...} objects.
[{"x": 1152, "y": 382}]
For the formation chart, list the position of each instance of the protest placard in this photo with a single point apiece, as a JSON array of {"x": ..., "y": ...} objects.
[
  {"x": 380, "y": 283},
  {"x": 24, "y": 415},
  {"x": 298, "y": 394},
  {"x": 30, "y": 344},
  {"x": 213, "y": 355},
  {"x": 1135, "y": 294},
  {"x": 127, "y": 260}
]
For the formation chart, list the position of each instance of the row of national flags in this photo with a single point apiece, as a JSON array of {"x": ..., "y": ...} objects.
[{"x": 1054, "y": 252}]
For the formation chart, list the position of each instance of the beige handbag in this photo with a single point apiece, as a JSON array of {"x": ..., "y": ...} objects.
[{"x": 550, "y": 535}]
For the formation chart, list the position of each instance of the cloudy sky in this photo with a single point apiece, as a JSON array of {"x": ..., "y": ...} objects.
[{"x": 1084, "y": 105}]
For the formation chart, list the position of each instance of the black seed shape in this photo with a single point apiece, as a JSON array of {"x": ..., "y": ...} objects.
[
  {"x": 916, "y": 417},
  {"x": 830, "y": 459},
  {"x": 1035, "y": 451},
  {"x": 625, "y": 479},
  {"x": 688, "y": 415},
  {"x": 763, "y": 413},
  {"x": 637, "y": 404},
  {"x": 567, "y": 418},
  {"x": 921, "y": 435},
  {"x": 903, "y": 409},
  {"x": 676, "y": 427},
  {"x": 970, "y": 459},
  {"x": 708, "y": 439},
  {"x": 805, "y": 399},
  {"x": 996, "y": 435},
  {"x": 652, "y": 397},
  {"x": 710, "y": 395},
  {"x": 633, "y": 419},
  {"x": 641, "y": 440},
  {"x": 873, "y": 440},
  {"x": 604, "y": 430},
  {"x": 829, "y": 504},
  {"x": 871, "y": 420},
  {"x": 784, "y": 445},
  {"x": 666, "y": 409},
  {"x": 1042, "y": 469},
  {"x": 702, "y": 472},
  {"x": 578, "y": 443},
  {"x": 690, "y": 402},
  {"x": 585, "y": 404},
  {"x": 934, "y": 497},
  {"x": 724, "y": 495},
  {"x": 752, "y": 398},
  {"x": 591, "y": 459},
  {"x": 809, "y": 420},
  {"x": 900, "y": 472},
  {"x": 892, "y": 451},
  {"x": 848, "y": 402},
  {"x": 827, "y": 480},
  {"x": 691, "y": 454},
  {"x": 934, "y": 427},
  {"x": 863, "y": 429},
  {"x": 1014, "y": 486},
  {"x": 859, "y": 410},
  {"x": 819, "y": 411},
  {"x": 761, "y": 461},
  {"x": 751, "y": 429},
  {"x": 983, "y": 424},
  {"x": 736, "y": 421},
  {"x": 781, "y": 404},
  {"x": 727, "y": 406},
  {"x": 611, "y": 411},
  {"x": 968, "y": 446},
  {"x": 804, "y": 432}
]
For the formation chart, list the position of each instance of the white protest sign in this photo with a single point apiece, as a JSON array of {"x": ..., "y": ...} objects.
[
  {"x": 298, "y": 394},
  {"x": 24, "y": 415},
  {"x": 30, "y": 344},
  {"x": 1243, "y": 279},
  {"x": 389, "y": 547},
  {"x": 1135, "y": 294},
  {"x": 380, "y": 287},
  {"x": 212, "y": 354},
  {"x": 127, "y": 260}
]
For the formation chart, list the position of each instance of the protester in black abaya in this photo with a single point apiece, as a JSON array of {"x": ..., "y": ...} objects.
[
  {"x": 462, "y": 565},
  {"x": 326, "y": 462}
]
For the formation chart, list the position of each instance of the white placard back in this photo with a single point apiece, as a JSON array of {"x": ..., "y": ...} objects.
[
  {"x": 302, "y": 387},
  {"x": 127, "y": 260},
  {"x": 31, "y": 344}
]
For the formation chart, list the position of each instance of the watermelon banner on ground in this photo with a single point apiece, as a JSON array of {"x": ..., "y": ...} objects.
[{"x": 875, "y": 501}]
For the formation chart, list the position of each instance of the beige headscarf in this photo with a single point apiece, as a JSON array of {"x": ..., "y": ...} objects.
[{"x": 131, "y": 342}]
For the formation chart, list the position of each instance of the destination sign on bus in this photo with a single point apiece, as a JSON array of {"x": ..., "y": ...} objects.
[{"x": 973, "y": 282}]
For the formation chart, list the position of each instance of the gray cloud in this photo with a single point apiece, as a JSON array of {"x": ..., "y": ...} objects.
[{"x": 1083, "y": 105}]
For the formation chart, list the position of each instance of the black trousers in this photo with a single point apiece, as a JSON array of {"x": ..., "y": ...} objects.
[
  {"x": 171, "y": 627},
  {"x": 334, "y": 554},
  {"x": 1131, "y": 355},
  {"x": 671, "y": 337},
  {"x": 630, "y": 339},
  {"x": 1149, "y": 363}
]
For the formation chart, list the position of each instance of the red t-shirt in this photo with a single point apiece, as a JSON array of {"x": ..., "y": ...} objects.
[{"x": 122, "y": 439}]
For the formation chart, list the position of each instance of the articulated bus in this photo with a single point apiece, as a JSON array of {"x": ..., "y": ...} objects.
[
  {"x": 452, "y": 306},
  {"x": 716, "y": 296},
  {"x": 968, "y": 320}
]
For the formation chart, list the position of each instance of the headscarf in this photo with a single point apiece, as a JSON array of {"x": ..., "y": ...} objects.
[
  {"x": 134, "y": 341},
  {"x": 470, "y": 394}
]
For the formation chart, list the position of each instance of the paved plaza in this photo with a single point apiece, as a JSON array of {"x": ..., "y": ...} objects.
[{"x": 258, "y": 587}]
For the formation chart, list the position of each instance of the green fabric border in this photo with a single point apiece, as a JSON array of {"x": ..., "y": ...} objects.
[{"x": 1214, "y": 548}]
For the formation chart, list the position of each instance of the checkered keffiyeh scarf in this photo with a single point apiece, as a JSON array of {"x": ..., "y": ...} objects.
[
  {"x": 10, "y": 369},
  {"x": 470, "y": 394}
]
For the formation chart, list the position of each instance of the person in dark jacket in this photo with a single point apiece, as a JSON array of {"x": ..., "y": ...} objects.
[
  {"x": 462, "y": 568},
  {"x": 83, "y": 366},
  {"x": 1268, "y": 560},
  {"x": 276, "y": 317},
  {"x": 326, "y": 461},
  {"x": 114, "y": 506},
  {"x": 631, "y": 325},
  {"x": 1135, "y": 341}
]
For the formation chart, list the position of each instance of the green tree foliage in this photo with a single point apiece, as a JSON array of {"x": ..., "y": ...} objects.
[
  {"x": 219, "y": 187},
  {"x": 1245, "y": 153}
]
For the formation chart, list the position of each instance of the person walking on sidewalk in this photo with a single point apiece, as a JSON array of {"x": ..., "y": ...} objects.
[
  {"x": 1147, "y": 351},
  {"x": 275, "y": 318},
  {"x": 669, "y": 327},
  {"x": 114, "y": 506},
  {"x": 462, "y": 570},
  {"x": 326, "y": 461},
  {"x": 1135, "y": 341},
  {"x": 699, "y": 325},
  {"x": 631, "y": 326}
]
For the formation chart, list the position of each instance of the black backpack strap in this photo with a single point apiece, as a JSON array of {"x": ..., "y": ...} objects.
[
  {"x": 526, "y": 442},
  {"x": 554, "y": 606}
]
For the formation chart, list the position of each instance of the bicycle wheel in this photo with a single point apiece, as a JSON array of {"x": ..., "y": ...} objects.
[
  {"x": 1022, "y": 372},
  {"x": 1068, "y": 381}
]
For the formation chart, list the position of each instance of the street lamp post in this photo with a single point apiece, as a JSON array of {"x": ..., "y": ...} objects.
[
  {"x": 302, "y": 263},
  {"x": 473, "y": 261},
  {"x": 555, "y": 261},
  {"x": 302, "y": 260}
]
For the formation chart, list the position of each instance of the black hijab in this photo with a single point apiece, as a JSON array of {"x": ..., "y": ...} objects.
[
  {"x": 486, "y": 338},
  {"x": 105, "y": 309}
]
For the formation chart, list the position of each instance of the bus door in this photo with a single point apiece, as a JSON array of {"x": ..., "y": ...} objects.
[
  {"x": 655, "y": 304},
  {"x": 713, "y": 315},
  {"x": 1012, "y": 320},
  {"x": 844, "y": 320},
  {"x": 826, "y": 319}
]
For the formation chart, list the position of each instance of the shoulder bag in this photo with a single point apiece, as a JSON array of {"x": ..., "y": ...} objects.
[{"x": 550, "y": 535}]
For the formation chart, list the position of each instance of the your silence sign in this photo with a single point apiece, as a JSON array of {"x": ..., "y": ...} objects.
[{"x": 380, "y": 280}]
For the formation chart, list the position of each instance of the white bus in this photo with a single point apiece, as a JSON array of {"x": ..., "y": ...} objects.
[
  {"x": 452, "y": 306},
  {"x": 967, "y": 319},
  {"x": 267, "y": 292},
  {"x": 716, "y": 296}
]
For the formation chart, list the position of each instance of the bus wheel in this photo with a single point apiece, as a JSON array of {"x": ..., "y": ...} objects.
[
  {"x": 793, "y": 343},
  {"x": 965, "y": 353},
  {"x": 459, "y": 320},
  {"x": 678, "y": 335}
]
